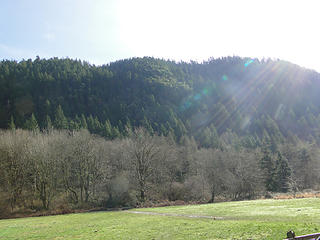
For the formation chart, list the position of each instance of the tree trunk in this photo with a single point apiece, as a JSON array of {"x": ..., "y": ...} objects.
[
  {"x": 142, "y": 195},
  {"x": 212, "y": 196}
]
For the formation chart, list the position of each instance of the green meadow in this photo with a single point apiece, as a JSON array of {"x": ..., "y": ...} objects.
[{"x": 259, "y": 219}]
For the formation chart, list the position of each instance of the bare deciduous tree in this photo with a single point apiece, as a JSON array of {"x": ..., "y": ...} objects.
[{"x": 145, "y": 153}]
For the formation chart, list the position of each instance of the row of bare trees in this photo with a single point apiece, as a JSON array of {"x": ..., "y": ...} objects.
[{"x": 55, "y": 169}]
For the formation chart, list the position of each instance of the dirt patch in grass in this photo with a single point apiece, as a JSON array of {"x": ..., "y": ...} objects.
[{"x": 176, "y": 215}]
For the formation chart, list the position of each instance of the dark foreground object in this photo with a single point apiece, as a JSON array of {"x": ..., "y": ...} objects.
[{"x": 291, "y": 235}]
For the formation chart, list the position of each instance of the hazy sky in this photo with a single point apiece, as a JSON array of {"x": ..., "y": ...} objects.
[{"x": 101, "y": 31}]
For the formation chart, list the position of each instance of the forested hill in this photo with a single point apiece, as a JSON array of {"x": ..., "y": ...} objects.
[{"x": 232, "y": 97}]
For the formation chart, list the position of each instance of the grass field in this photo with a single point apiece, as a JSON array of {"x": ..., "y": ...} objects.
[{"x": 260, "y": 219}]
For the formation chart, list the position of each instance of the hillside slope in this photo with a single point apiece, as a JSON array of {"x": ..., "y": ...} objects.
[{"x": 239, "y": 96}]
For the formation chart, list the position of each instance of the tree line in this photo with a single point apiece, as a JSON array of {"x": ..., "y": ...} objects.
[{"x": 58, "y": 169}]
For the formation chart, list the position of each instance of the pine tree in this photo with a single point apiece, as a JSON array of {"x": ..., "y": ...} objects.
[
  {"x": 306, "y": 168},
  {"x": 205, "y": 138},
  {"x": 120, "y": 126},
  {"x": 84, "y": 124},
  {"x": 215, "y": 142},
  {"x": 11, "y": 124},
  {"x": 97, "y": 125},
  {"x": 146, "y": 124},
  {"x": 248, "y": 142},
  {"x": 163, "y": 130},
  {"x": 180, "y": 129},
  {"x": 107, "y": 130},
  {"x": 60, "y": 121},
  {"x": 209, "y": 137},
  {"x": 31, "y": 123},
  {"x": 282, "y": 174},
  {"x": 48, "y": 123},
  {"x": 77, "y": 121},
  {"x": 115, "y": 132},
  {"x": 127, "y": 128},
  {"x": 73, "y": 126},
  {"x": 91, "y": 126},
  {"x": 268, "y": 169},
  {"x": 170, "y": 132}
]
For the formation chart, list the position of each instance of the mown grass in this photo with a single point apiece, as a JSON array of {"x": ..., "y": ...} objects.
[{"x": 261, "y": 219}]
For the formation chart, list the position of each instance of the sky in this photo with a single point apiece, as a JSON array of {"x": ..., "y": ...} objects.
[{"x": 103, "y": 31}]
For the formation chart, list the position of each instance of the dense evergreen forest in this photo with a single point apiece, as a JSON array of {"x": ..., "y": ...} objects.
[
  {"x": 146, "y": 129},
  {"x": 247, "y": 98}
]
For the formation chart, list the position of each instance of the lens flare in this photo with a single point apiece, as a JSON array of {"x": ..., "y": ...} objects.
[
  {"x": 245, "y": 99},
  {"x": 279, "y": 112},
  {"x": 224, "y": 77},
  {"x": 197, "y": 97},
  {"x": 205, "y": 91},
  {"x": 191, "y": 100},
  {"x": 245, "y": 122},
  {"x": 248, "y": 62}
]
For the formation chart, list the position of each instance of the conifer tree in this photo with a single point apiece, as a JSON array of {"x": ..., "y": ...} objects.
[
  {"x": 305, "y": 167},
  {"x": 73, "y": 125},
  {"x": 120, "y": 126},
  {"x": 163, "y": 130},
  {"x": 115, "y": 132},
  {"x": 147, "y": 125},
  {"x": 48, "y": 123},
  {"x": 60, "y": 121},
  {"x": 282, "y": 174},
  {"x": 215, "y": 142},
  {"x": 77, "y": 121},
  {"x": 97, "y": 125},
  {"x": 84, "y": 124},
  {"x": 11, "y": 125},
  {"x": 31, "y": 123},
  {"x": 90, "y": 121},
  {"x": 268, "y": 170},
  {"x": 205, "y": 138},
  {"x": 107, "y": 131},
  {"x": 127, "y": 128}
]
